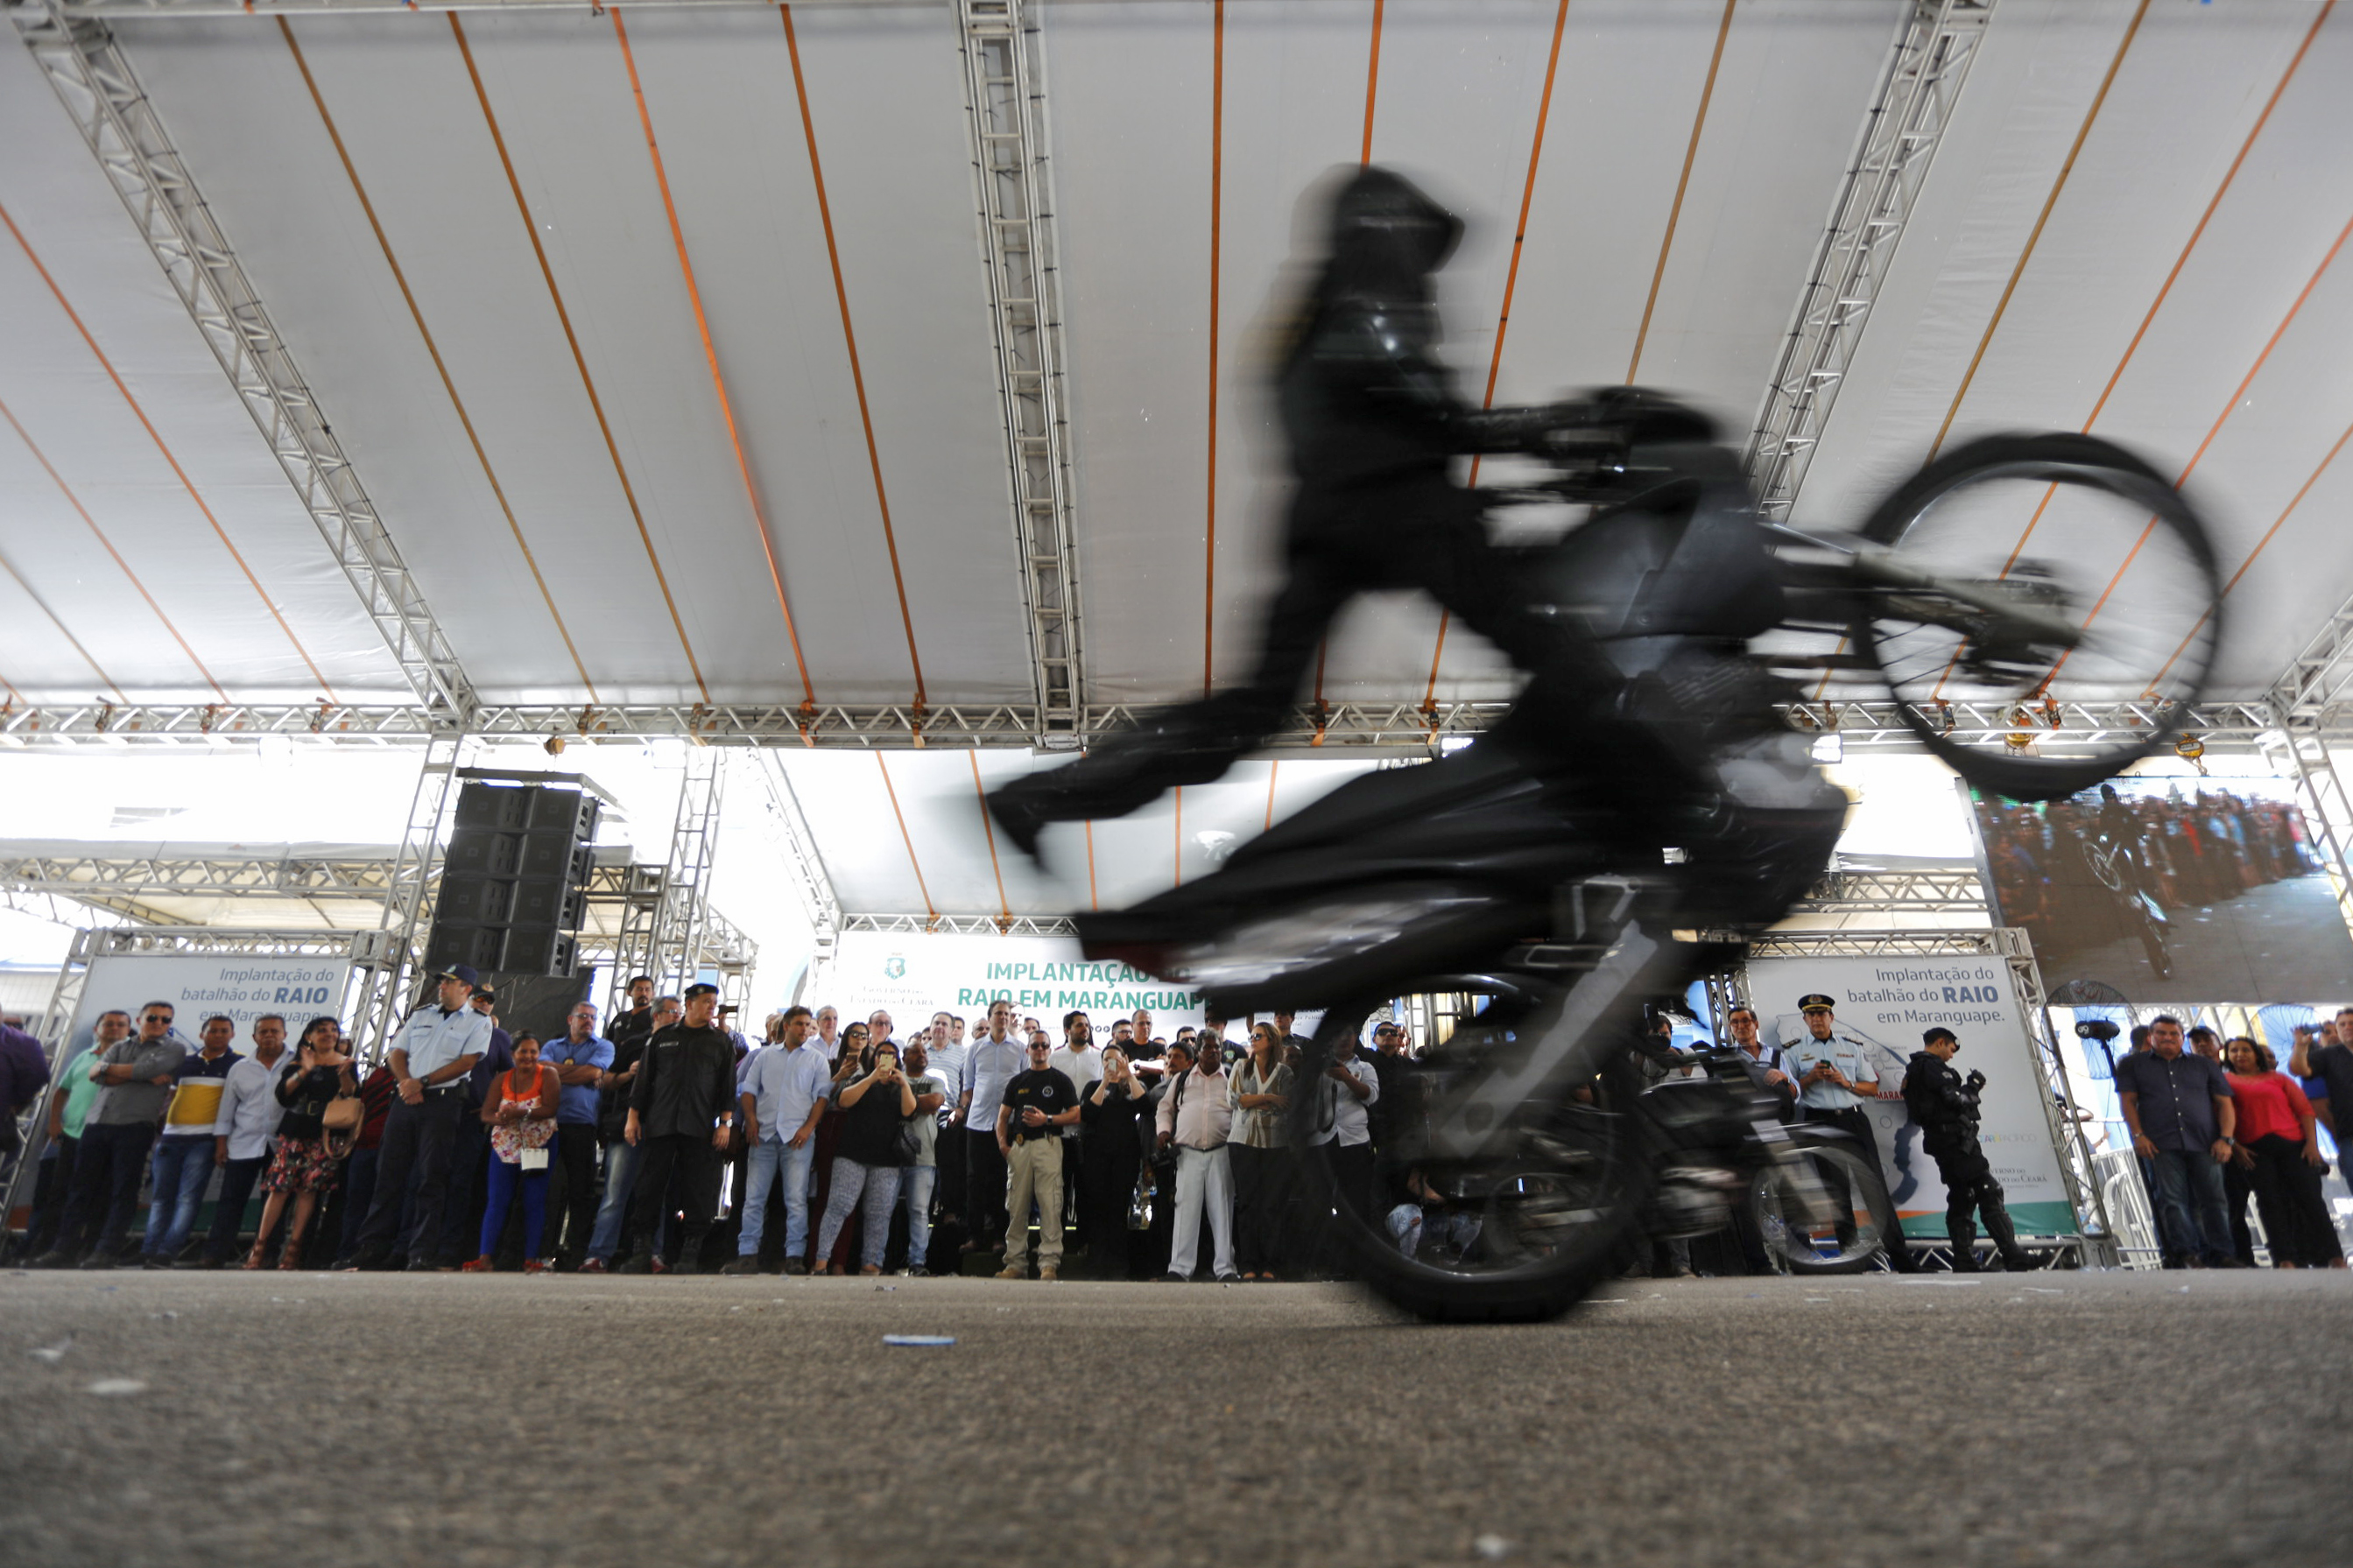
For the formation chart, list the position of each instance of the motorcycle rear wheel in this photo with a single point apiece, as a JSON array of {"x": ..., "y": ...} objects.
[
  {"x": 1547, "y": 1223},
  {"x": 1800, "y": 1248}
]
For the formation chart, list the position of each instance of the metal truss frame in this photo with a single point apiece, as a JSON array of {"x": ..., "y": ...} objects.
[
  {"x": 1341, "y": 729},
  {"x": 81, "y": 909},
  {"x": 2314, "y": 688},
  {"x": 1005, "y": 97},
  {"x": 2012, "y": 947},
  {"x": 2303, "y": 759},
  {"x": 2221, "y": 724},
  {"x": 1875, "y": 893},
  {"x": 390, "y": 968},
  {"x": 102, "y": 95},
  {"x": 962, "y": 925},
  {"x": 668, "y": 907},
  {"x": 1901, "y": 132},
  {"x": 799, "y": 854}
]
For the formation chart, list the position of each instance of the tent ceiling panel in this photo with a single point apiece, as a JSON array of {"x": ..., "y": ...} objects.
[
  {"x": 718, "y": 89},
  {"x": 2183, "y": 101},
  {"x": 1133, "y": 131},
  {"x": 1456, "y": 103},
  {"x": 70, "y": 414}
]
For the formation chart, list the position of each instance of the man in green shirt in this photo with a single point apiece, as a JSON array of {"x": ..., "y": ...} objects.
[{"x": 70, "y": 1095}]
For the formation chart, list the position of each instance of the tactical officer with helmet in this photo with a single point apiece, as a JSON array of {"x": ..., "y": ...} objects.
[{"x": 1945, "y": 1104}]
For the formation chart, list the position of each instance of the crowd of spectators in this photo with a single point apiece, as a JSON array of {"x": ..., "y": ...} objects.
[
  {"x": 2183, "y": 850},
  {"x": 669, "y": 1141},
  {"x": 2215, "y": 1122}
]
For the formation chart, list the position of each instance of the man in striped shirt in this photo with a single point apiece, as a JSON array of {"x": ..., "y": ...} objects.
[{"x": 182, "y": 1164}]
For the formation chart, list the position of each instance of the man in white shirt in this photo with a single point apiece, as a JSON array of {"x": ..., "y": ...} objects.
[
  {"x": 782, "y": 1098},
  {"x": 944, "y": 1050},
  {"x": 1194, "y": 1118},
  {"x": 242, "y": 1131},
  {"x": 994, "y": 1061}
]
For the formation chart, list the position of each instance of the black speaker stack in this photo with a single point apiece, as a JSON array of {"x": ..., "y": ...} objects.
[{"x": 514, "y": 883}]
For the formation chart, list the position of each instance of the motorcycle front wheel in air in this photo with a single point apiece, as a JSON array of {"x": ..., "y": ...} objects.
[
  {"x": 1824, "y": 1211},
  {"x": 1522, "y": 1231},
  {"x": 2075, "y": 532}
]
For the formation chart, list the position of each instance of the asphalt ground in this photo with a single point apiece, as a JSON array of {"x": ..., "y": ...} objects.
[{"x": 2073, "y": 1418}]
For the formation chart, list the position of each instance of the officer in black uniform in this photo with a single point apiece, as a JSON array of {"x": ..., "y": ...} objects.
[
  {"x": 681, "y": 1115},
  {"x": 1945, "y": 1104}
]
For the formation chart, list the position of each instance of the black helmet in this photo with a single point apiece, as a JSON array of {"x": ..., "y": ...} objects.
[{"x": 1387, "y": 236}]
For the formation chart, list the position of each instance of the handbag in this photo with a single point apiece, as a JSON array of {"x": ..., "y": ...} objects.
[{"x": 344, "y": 1113}]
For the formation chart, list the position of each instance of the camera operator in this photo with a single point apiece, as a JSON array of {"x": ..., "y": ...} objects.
[{"x": 1945, "y": 1104}]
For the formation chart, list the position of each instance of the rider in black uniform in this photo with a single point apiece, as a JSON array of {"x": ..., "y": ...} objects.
[
  {"x": 1373, "y": 423},
  {"x": 1945, "y": 1104}
]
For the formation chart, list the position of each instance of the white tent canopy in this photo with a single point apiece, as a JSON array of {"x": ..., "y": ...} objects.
[
  {"x": 185, "y": 505},
  {"x": 461, "y": 233}
]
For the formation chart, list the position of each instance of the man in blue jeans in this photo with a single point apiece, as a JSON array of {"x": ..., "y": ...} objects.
[
  {"x": 614, "y": 1085},
  {"x": 783, "y": 1098},
  {"x": 182, "y": 1164},
  {"x": 2178, "y": 1106}
]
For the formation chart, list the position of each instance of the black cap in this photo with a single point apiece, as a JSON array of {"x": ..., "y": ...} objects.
[
  {"x": 704, "y": 989},
  {"x": 464, "y": 972},
  {"x": 1931, "y": 1037},
  {"x": 1813, "y": 999}
]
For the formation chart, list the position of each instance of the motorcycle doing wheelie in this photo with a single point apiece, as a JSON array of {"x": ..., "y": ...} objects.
[{"x": 1520, "y": 901}]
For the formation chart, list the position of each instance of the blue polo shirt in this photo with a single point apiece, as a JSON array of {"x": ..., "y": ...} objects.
[{"x": 575, "y": 1103}]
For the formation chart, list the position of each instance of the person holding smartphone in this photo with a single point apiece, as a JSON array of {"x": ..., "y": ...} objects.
[
  {"x": 869, "y": 1157},
  {"x": 305, "y": 1165},
  {"x": 1111, "y": 1155}
]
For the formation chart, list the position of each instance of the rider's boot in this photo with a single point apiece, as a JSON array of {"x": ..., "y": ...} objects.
[
  {"x": 1959, "y": 1224},
  {"x": 2014, "y": 1258},
  {"x": 1190, "y": 745}
]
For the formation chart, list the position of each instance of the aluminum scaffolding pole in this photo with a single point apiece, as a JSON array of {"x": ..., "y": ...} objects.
[
  {"x": 1005, "y": 95},
  {"x": 388, "y": 960},
  {"x": 1900, "y": 135},
  {"x": 678, "y": 910},
  {"x": 103, "y": 95},
  {"x": 2304, "y": 761}
]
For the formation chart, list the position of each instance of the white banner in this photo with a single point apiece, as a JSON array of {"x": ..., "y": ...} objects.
[
  {"x": 914, "y": 976},
  {"x": 241, "y": 987},
  {"x": 1883, "y": 1005}
]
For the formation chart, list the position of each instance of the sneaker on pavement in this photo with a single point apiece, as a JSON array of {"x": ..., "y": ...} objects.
[
  {"x": 1015, "y": 1272},
  {"x": 741, "y": 1267},
  {"x": 534, "y": 1266},
  {"x": 1048, "y": 1276},
  {"x": 475, "y": 1266},
  {"x": 795, "y": 1266},
  {"x": 638, "y": 1263},
  {"x": 917, "y": 1271},
  {"x": 591, "y": 1265}
]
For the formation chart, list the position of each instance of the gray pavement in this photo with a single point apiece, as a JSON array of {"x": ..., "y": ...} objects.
[{"x": 2077, "y": 1418}]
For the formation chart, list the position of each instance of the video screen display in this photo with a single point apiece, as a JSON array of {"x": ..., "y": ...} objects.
[{"x": 2170, "y": 889}]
